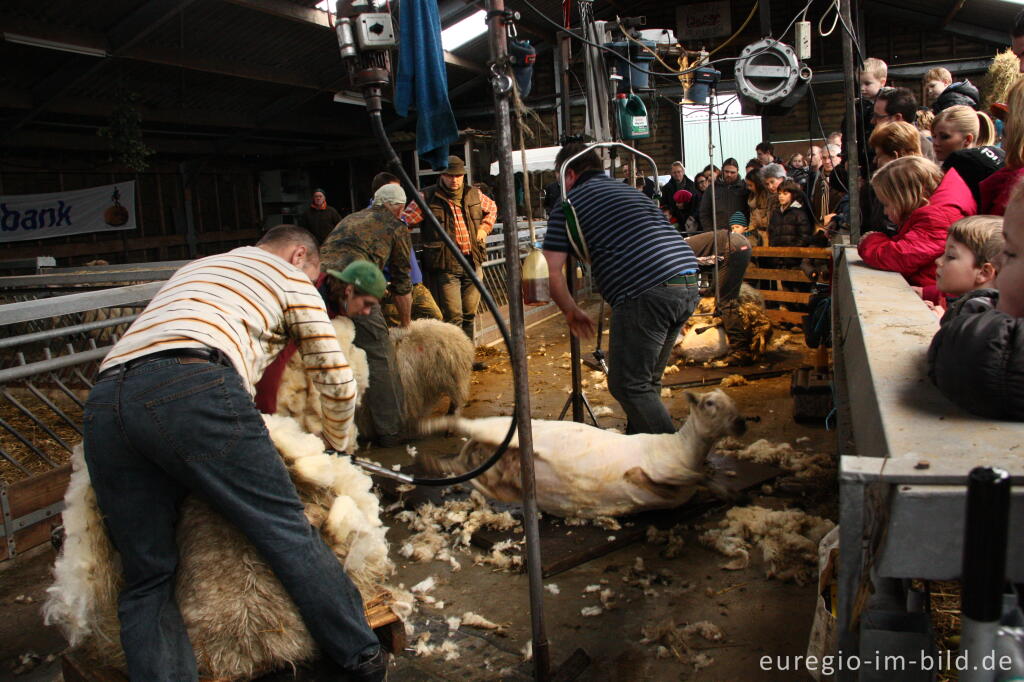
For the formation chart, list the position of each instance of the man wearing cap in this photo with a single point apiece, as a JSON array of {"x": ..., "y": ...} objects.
[
  {"x": 423, "y": 305},
  {"x": 467, "y": 216},
  {"x": 172, "y": 413},
  {"x": 320, "y": 218},
  {"x": 376, "y": 235},
  {"x": 645, "y": 270}
]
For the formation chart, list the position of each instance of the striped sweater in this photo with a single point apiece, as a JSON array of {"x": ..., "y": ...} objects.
[
  {"x": 247, "y": 303},
  {"x": 632, "y": 247}
]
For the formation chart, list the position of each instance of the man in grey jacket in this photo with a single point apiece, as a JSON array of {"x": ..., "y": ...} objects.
[{"x": 730, "y": 194}]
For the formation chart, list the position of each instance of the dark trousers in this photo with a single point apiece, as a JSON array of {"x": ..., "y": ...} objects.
[
  {"x": 736, "y": 251},
  {"x": 643, "y": 331},
  {"x": 177, "y": 426},
  {"x": 383, "y": 398},
  {"x": 456, "y": 295}
]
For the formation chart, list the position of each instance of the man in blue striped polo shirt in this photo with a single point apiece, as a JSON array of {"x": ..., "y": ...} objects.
[{"x": 644, "y": 270}]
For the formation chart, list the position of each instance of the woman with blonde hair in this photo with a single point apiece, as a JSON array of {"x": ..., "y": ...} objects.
[
  {"x": 962, "y": 138},
  {"x": 891, "y": 141},
  {"x": 923, "y": 203},
  {"x": 996, "y": 188}
]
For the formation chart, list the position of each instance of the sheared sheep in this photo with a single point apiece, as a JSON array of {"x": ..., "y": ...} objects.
[
  {"x": 703, "y": 338},
  {"x": 241, "y": 621},
  {"x": 434, "y": 359},
  {"x": 586, "y": 472}
]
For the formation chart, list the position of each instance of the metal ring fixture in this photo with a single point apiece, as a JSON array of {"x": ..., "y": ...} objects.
[{"x": 769, "y": 71}]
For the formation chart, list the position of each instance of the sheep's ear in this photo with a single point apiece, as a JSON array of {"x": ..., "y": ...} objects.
[{"x": 692, "y": 397}]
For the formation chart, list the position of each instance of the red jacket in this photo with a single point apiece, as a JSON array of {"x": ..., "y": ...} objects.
[
  {"x": 995, "y": 190},
  {"x": 922, "y": 235}
]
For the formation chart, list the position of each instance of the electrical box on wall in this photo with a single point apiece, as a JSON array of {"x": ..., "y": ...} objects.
[
  {"x": 803, "y": 40},
  {"x": 284, "y": 186}
]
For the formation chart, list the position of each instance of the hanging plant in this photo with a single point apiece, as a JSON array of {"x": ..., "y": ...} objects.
[{"x": 125, "y": 133}]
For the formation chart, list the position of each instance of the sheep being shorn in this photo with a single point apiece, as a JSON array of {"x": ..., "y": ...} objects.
[
  {"x": 297, "y": 396},
  {"x": 434, "y": 359},
  {"x": 703, "y": 338},
  {"x": 239, "y": 618},
  {"x": 586, "y": 472}
]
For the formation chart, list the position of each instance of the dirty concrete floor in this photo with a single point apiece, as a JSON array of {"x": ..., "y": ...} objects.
[{"x": 758, "y": 616}]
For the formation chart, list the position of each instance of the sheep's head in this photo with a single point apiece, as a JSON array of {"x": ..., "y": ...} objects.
[{"x": 715, "y": 414}]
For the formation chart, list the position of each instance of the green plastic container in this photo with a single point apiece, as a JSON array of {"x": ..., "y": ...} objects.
[{"x": 633, "y": 124}]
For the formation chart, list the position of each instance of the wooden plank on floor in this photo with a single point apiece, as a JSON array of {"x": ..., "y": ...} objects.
[{"x": 774, "y": 363}]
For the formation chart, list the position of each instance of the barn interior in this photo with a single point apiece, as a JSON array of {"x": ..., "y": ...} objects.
[{"x": 842, "y": 524}]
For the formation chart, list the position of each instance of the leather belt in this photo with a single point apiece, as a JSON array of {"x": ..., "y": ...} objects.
[
  {"x": 208, "y": 354},
  {"x": 688, "y": 279}
]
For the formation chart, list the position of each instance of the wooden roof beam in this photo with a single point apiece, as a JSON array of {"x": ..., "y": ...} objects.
[
  {"x": 167, "y": 56},
  {"x": 130, "y": 31},
  {"x": 286, "y": 10}
]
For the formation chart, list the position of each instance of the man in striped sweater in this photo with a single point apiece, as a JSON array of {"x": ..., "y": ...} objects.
[
  {"x": 645, "y": 270},
  {"x": 172, "y": 414}
]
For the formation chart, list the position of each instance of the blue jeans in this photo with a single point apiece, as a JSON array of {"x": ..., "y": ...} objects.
[
  {"x": 643, "y": 331},
  {"x": 177, "y": 426}
]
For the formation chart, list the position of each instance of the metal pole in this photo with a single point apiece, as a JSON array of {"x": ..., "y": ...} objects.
[
  {"x": 682, "y": 136},
  {"x": 566, "y": 88},
  {"x": 984, "y": 566},
  {"x": 712, "y": 94},
  {"x": 850, "y": 134},
  {"x": 499, "y": 56}
]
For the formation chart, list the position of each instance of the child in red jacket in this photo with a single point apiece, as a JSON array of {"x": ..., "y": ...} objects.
[{"x": 923, "y": 203}]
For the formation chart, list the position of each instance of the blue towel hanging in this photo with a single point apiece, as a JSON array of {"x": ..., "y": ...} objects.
[{"x": 423, "y": 82}]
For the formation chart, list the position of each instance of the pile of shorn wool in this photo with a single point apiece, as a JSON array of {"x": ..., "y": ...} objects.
[{"x": 237, "y": 633}]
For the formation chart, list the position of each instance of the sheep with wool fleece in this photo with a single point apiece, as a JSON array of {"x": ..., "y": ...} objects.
[
  {"x": 434, "y": 359},
  {"x": 584, "y": 471},
  {"x": 236, "y": 612}
]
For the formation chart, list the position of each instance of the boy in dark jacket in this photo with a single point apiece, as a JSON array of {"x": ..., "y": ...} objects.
[{"x": 977, "y": 357}]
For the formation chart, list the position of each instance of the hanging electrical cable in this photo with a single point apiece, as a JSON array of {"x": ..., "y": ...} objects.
[
  {"x": 369, "y": 68},
  {"x": 672, "y": 74}
]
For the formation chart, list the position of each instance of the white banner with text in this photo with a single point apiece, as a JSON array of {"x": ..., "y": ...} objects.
[{"x": 58, "y": 214}]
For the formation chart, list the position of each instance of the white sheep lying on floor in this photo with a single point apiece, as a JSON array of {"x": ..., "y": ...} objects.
[
  {"x": 239, "y": 618},
  {"x": 434, "y": 358},
  {"x": 584, "y": 471}
]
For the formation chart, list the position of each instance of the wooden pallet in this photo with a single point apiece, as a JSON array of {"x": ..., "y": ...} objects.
[
  {"x": 385, "y": 623},
  {"x": 30, "y": 509},
  {"x": 756, "y": 275}
]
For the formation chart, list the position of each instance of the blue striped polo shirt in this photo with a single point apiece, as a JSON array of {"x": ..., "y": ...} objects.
[{"x": 632, "y": 247}]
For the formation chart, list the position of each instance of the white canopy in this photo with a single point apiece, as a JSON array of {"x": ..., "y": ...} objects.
[{"x": 536, "y": 160}]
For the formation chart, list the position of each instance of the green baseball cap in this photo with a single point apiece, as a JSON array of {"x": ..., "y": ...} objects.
[{"x": 364, "y": 275}]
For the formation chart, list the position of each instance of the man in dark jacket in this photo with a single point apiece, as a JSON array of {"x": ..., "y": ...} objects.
[
  {"x": 962, "y": 92},
  {"x": 320, "y": 218},
  {"x": 825, "y": 187},
  {"x": 899, "y": 104},
  {"x": 468, "y": 216},
  {"x": 677, "y": 182},
  {"x": 730, "y": 195}
]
